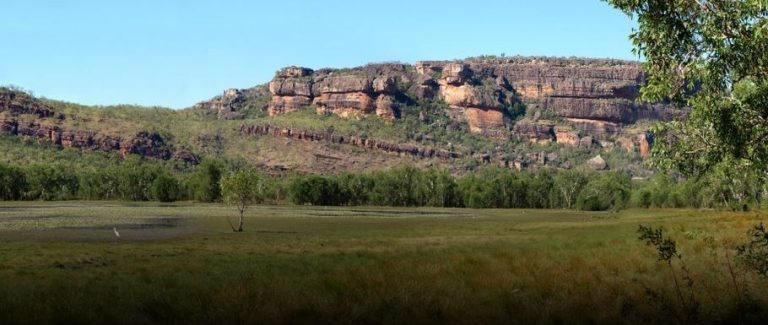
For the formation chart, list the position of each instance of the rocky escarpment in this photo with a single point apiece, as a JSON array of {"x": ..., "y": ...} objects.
[
  {"x": 517, "y": 161},
  {"x": 45, "y": 125},
  {"x": 235, "y": 103},
  {"x": 594, "y": 99},
  {"x": 352, "y": 94},
  {"x": 581, "y": 103},
  {"x": 372, "y": 144},
  {"x": 478, "y": 99},
  {"x": 143, "y": 143},
  {"x": 587, "y": 98},
  {"x": 15, "y": 103},
  {"x": 382, "y": 89}
]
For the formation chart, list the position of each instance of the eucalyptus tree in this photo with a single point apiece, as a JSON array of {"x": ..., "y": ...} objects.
[
  {"x": 711, "y": 56},
  {"x": 242, "y": 188}
]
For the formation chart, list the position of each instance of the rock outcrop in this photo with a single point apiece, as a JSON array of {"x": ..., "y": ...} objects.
[
  {"x": 567, "y": 137},
  {"x": 597, "y": 163},
  {"x": 46, "y": 126},
  {"x": 145, "y": 144},
  {"x": 291, "y": 90},
  {"x": 596, "y": 97},
  {"x": 482, "y": 105},
  {"x": 234, "y": 103},
  {"x": 586, "y": 97},
  {"x": 371, "y": 144},
  {"x": 17, "y": 103},
  {"x": 535, "y": 131},
  {"x": 352, "y": 94}
]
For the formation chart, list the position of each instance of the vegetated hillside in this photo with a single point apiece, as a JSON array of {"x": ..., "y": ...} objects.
[{"x": 520, "y": 113}]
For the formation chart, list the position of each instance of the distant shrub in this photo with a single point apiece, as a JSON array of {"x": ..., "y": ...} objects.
[
  {"x": 13, "y": 182},
  {"x": 606, "y": 191},
  {"x": 165, "y": 188}
]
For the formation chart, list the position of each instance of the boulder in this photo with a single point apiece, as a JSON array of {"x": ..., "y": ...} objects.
[
  {"x": 597, "y": 163},
  {"x": 385, "y": 85},
  {"x": 386, "y": 107},
  {"x": 586, "y": 142},
  {"x": 294, "y": 72},
  {"x": 569, "y": 138},
  {"x": 456, "y": 73}
]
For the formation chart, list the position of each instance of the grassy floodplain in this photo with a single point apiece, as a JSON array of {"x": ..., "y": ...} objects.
[{"x": 180, "y": 263}]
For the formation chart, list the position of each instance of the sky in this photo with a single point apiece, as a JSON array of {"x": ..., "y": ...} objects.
[{"x": 175, "y": 53}]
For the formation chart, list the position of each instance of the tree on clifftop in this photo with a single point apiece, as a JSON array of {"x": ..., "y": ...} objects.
[{"x": 712, "y": 56}]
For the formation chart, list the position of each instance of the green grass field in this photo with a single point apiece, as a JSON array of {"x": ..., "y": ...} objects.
[{"x": 61, "y": 262}]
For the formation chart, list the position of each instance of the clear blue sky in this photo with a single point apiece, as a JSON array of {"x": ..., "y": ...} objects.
[{"x": 175, "y": 53}]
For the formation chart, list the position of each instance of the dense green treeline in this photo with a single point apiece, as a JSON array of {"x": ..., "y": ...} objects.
[
  {"x": 138, "y": 180},
  {"x": 489, "y": 188},
  {"x": 132, "y": 179}
]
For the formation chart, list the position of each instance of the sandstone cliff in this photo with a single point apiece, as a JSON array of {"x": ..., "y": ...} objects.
[
  {"x": 352, "y": 94},
  {"x": 589, "y": 98},
  {"x": 594, "y": 99},
  {"x": 513, "y": 108}
]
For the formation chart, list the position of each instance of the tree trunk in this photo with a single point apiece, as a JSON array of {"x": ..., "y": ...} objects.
[{"x": 240, "y": 224}]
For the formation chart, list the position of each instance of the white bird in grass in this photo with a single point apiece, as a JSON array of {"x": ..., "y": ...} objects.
[{"x": 116, "y": 233}]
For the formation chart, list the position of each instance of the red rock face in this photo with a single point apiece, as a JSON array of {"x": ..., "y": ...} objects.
[
  {"x": 488, "y": 122},
  {"x": 645, "y": 144},
  {"x": 342, "y": 84},
  {"x": 483, "y": 107},
  {"x": 535, "y": 132},
  {"x": 594, "y": 98},
  {"x": 586, "y": 89},
  {"x": 291, "y": 87},
  {"x": 597, "y": 97},
  {"x": 349, "y": 105},
  {"x": 286, "y": 104},
  {"x": 569, "y": 138},
  {"x": 386, "y": 107},
  {"x": 354, "y": 95}
]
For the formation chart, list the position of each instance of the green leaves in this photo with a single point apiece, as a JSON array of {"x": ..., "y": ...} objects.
[
  {"x": 666, "y": 248},
  {"x": 709, "y": 56},
  {"x": 754, "y": 254},
  {"x": 243, "y": 187}
]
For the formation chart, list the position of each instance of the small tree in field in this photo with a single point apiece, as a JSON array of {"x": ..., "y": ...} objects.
[{"x": 241, "y": 188}]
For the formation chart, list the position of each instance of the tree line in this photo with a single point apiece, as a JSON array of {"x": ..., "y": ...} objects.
[{"x": 136, "y": 180}]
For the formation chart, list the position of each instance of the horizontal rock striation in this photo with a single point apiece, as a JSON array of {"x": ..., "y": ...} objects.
[
  {"x": 352, "y": 94},
  {"x": 588, "y": 97},
  {"x": 599, "y": 94},
  {"x": 45, "y": 126},
  {"x": 482, "y": 99},
  {"x": 146, "y": 144},
  {"x": 372, "y": 144}
]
